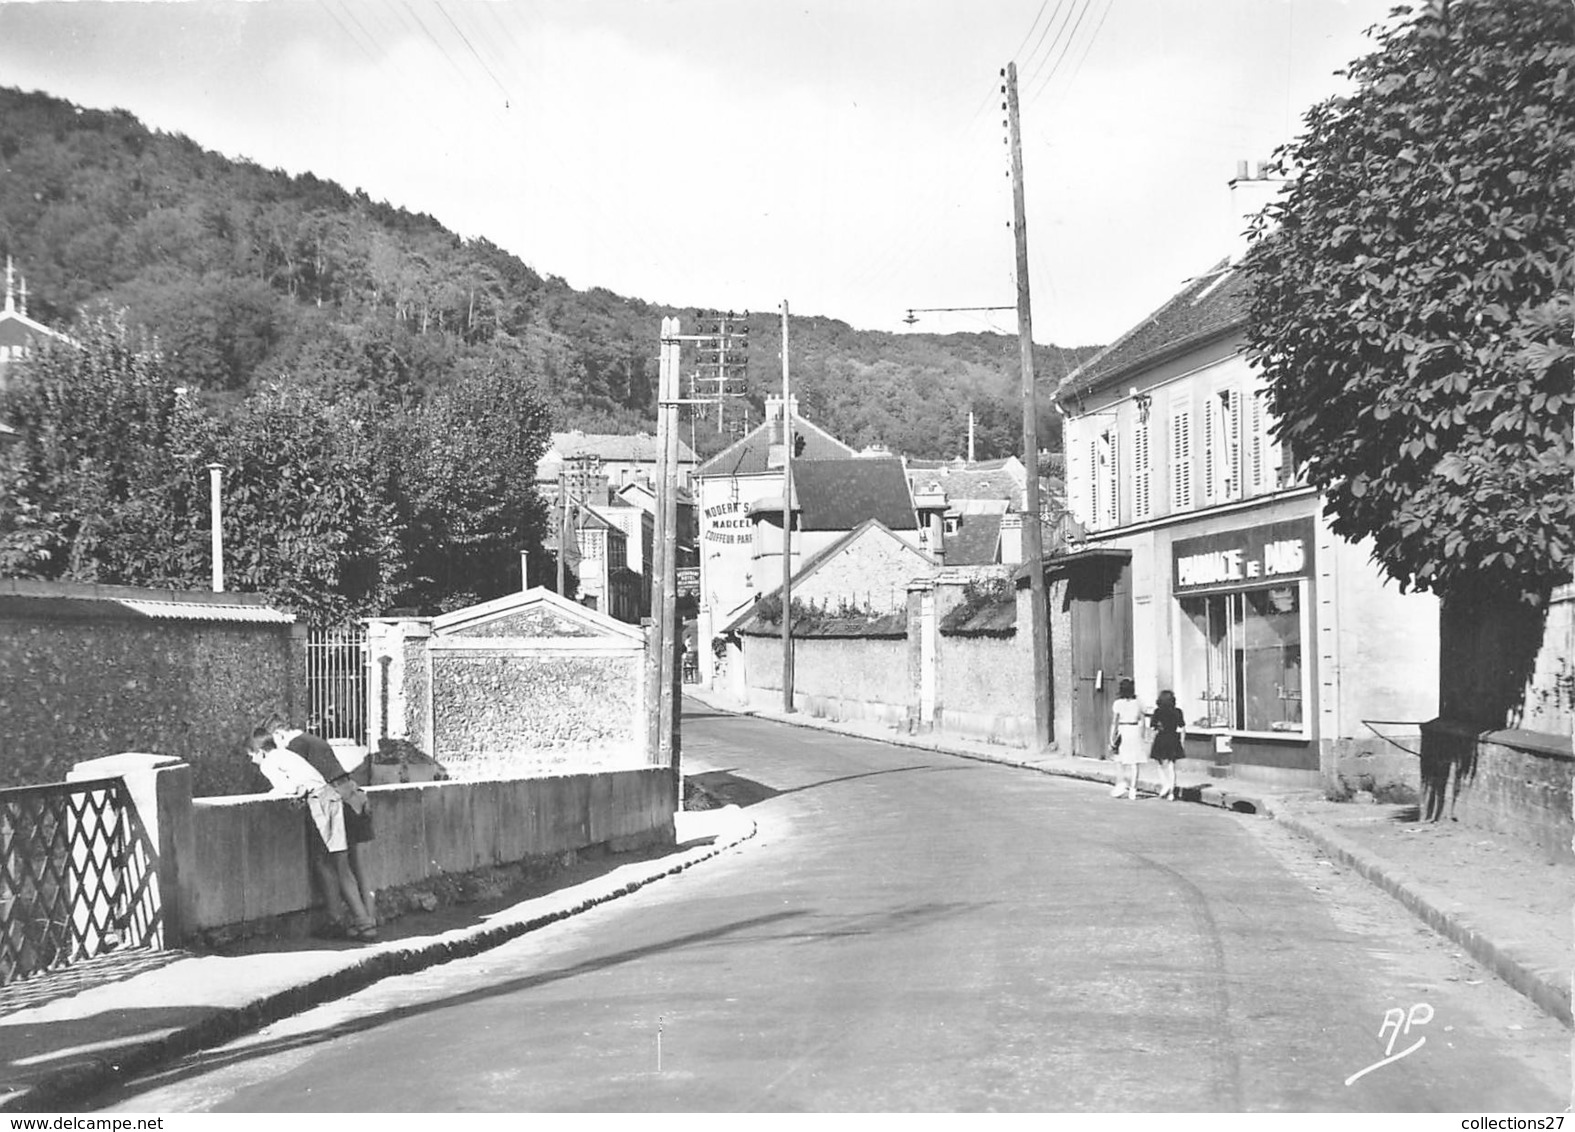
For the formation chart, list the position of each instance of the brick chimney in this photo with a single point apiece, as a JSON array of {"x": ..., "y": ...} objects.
[
  {"x": 931, "y": 504},
  {"x": 1251, "y": 191}
]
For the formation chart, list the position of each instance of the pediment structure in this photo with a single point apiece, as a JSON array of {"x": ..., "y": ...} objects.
[{"x": 536, "y": 614}]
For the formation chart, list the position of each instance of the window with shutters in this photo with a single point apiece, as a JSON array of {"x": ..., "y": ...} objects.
[
  {"x": 1211, "y": 462},
  {"x": 1258, "y": 467},
  {"x": 1140, "y": 469},
  {"x": 1109, "y": 494},
  {"x": 1230, "y": 444},
  {"x": 1095, "y": 515},
  {"x": 1180, "y": 456}
]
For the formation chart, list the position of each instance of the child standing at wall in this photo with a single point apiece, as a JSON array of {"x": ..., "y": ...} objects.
[{"x": 289, "y": 772}]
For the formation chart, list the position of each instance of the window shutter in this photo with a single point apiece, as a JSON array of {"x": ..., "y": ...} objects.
[
  {"x": 1140, "y": 470},
  {"x": 1180, "y": 457},
  {"x": 1210, "y": 448},
  {"x": 1095, "y": 474},
  {"x": 1230, "y": 407},
  {"x": 1259, "y": 440},
  {"x": 1112, "y": 494}
]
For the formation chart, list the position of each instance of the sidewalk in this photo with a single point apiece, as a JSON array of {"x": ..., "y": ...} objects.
[
  {"x": 1504, "y": 903},
  {"x": 70, "y": 1034}
]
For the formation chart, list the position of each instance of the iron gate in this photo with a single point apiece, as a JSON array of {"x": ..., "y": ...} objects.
[
  {"x": 336, "y": 682},
  {"x": 76, "y": 876}
]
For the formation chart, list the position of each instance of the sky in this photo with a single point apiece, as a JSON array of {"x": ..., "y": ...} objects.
[{"x": 846, "y": 157}]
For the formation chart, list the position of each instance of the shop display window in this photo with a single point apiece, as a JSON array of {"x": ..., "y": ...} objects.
[{"x": 1240, "y": 659}]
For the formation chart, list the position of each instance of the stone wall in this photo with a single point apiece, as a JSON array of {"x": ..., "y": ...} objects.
[
  {"x": 982, "y": 688},
  {"x": 532, "y": 712},
  {"x": 833, "y": 677},
  {"x": 83, "y": 672},
  {"x": 250, "y": 868},
  {"x": 983, "y": 683},
  {"x": 529, "y": 683},
  {"x": 1514, "y": 782}
]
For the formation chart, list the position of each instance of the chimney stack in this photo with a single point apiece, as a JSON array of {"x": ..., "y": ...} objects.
[
  {"x": 1250, "y": 193},
  {"x": 1012, "y": 538}
]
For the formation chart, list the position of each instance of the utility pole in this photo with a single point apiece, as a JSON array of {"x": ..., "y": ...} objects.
[
  {"x": 656, "y": 657},
  {"x": 787, "y": 523},
  {"x": 671, "y": 714},
  {"x": 1033, "y": 542},
  {"x": 563, "y": 524}
]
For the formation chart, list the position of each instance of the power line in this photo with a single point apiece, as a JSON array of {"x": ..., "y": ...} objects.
[
  {"x": 1089, "y": 43},
  {"x": 1043, "y": 4},
  {"x": 463, "y": 38},
  {"x": 1064, "y": 49},
  {"x": 1038, "y": 67}
]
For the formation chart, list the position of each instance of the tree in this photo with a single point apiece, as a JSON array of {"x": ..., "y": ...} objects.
[
  {"x": 96, "y": 488},
  {"x": 464, "y": 485},
  {"x": 1411, "y": 298},
  {"x": 306, "y": 517}
]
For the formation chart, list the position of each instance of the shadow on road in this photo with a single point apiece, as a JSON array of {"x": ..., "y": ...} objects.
[
  {"x": 195, "y": 1065},
  {"x": 730, "y": 788}
]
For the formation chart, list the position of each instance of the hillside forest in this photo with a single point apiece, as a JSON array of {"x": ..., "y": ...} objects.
[{"x": 418, "y": 372}]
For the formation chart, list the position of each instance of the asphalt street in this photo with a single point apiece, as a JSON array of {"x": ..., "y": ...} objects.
[{"x": 916, "y": 931}]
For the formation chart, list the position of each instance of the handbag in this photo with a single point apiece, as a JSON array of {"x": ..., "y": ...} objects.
[{"x": 351, "y": 794}]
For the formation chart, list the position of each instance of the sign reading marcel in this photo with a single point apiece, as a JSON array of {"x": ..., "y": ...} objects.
[
  {"x": 728, "y": 522},
  {"x": 1272, "y": 552}
]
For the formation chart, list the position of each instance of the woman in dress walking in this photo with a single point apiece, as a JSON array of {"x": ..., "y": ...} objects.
[
  {"x": 1170, "y": 728},
  {"x": 1127, "y": 739}
]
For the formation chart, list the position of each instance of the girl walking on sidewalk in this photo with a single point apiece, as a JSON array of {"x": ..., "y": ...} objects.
[
  {"x": 1170, "y": 728},
  {"x": 1128, "y": 741}
]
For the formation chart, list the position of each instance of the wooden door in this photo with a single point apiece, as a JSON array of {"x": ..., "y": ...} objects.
[{"x": 1099, "y": 594}]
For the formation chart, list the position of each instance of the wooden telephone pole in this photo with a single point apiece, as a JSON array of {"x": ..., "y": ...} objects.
[
  {"x": 787, "y": 524},
  {"x": 1033, "y": 541}
]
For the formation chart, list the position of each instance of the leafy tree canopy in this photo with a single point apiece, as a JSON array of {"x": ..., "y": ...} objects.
[{"x": 1411, "y": 297}]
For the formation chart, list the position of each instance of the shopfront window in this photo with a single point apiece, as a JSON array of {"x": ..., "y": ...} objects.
[{"x": 1240, "y": 659}]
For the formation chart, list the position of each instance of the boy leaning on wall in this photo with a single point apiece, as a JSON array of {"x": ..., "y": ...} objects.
[{"x": 339, "y": 813}]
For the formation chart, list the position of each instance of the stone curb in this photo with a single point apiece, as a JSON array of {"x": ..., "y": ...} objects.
[
  {"x": 73, "y": 1083},
  {"x": 1502, "y": 959},
  {"x": 1547, "y": 989}
]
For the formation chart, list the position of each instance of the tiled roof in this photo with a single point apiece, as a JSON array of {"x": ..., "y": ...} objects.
[
  {"x": 747, "y": 456},
  {"x": 838, "y": 495},
  {"x": 976, "y": 540},
  {"x": 967, "y": 482},
  {"x": 1206, "y": 307},
  {"x": 636, "y": 447},
  {"x": 68, "y": 602}
]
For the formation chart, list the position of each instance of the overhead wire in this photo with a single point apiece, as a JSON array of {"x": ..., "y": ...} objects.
[
  {"x": 1082, "y": 12},
  {"x": 1033, "y": 68},
  {"x": 463, "y": 38}
]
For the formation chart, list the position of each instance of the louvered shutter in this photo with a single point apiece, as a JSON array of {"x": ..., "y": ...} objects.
[
  {"x": 1180, "y": 457},
  {"x": 1140, "y": 471}
]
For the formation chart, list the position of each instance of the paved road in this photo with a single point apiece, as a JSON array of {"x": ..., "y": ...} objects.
[{"x": 918, "y": 931}]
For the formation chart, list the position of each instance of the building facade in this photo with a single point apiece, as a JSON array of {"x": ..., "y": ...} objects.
[
  {"x": 726, "y": 488},
  {"x": 1207, "y": 567}
]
